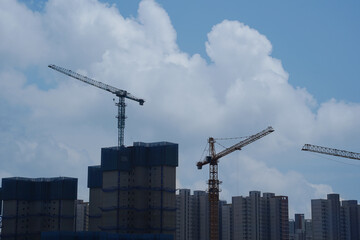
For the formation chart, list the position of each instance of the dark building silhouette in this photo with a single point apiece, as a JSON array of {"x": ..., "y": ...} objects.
[
  {"x": 82, "y": 216},
  {"x": 133, "y": 190},
  {"x": 252, "y": 217},
  {"x": 102, "y": 236},
  {"x": 262, "y": 218},
  {"x": 334, "y": 220},
  {"x": 350, "y": 216},
  {"x": 192, "y": 215},
  {"x": 33, "y": 205}
]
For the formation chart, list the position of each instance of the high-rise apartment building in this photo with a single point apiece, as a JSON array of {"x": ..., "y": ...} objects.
[
  {"x": 320, "y": 219},
  {"x": 334, "y": 215},
  {"x": 279, "y": 218},
  {"x": 326, "y": 217},
  {"x": 102, "y": 236},
  {"x": 192, "y": 215},
  {"x": 34, "y": 205},
  {"x": 299, "y": 222},
  {"x": 253, "y": 217},
  {"x": 82, "y": 216},
  {"x": 291, "y": 229},
  {"x": 334, "y": 220},
  {"x": 350, "y": 216},
  {"x": 226, "y": 222},
  {"x": 256, "y": 217},
  {"x": 201, "y": 215},
  {"x": 308, "y": 229},
  {"x": 246, "y": 216},
  {"x": 184, "y": 215},
  {"x": 220, "y": 215},
  {"x": 300, "y": 228},
  {"x": 133, "y": 190}
]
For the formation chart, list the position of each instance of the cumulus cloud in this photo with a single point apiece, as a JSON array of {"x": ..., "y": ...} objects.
[
  {"x": 23, "y": 39},
  {"x": 59, "y": 129}
]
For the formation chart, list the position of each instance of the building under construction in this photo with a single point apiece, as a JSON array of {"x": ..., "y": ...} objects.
[
  {"x": 133, "y": 190},
  {"x": 34, "y": 205}
]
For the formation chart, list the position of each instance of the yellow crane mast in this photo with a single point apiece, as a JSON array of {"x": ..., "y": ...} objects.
[{"x": 213, "y": 183}]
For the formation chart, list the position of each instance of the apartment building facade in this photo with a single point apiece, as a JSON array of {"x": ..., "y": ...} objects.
[
  {"x": 334, "y": 219},
  {"x": 35, "y": 205},
  {"x": 260, "y": 218},
  {"x": 133, "y": 190}
]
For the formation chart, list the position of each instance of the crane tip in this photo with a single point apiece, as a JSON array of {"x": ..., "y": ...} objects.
[{"x": 305, "y": 147}]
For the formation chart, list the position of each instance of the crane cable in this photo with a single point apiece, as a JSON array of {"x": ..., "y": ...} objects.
[
  {"x": 205, "y": 150},
  {"x": 221, "y": 145},
  {"x": 327, "y": 158},
  {"x": 230, "y": 138}
]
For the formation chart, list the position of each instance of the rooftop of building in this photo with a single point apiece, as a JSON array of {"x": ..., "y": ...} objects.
[{"x": 42, "y": 179}]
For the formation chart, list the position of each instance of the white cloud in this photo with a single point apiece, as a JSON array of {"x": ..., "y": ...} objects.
[
  {"x": 229, "y": 41},
  {"x": 157, "y": 26},
  {"x": 337, "y": 118},
  {"x": 22, "y": 35},
  {"x": 243, "y": 90}
]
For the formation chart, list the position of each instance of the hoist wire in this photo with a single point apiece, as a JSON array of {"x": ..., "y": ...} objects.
[
  {"x": 231, "y": 138},
  {"x": 221, "y": 145},
  {"x": 205, "y": 150},
  {"x": 327, "y": 158}
]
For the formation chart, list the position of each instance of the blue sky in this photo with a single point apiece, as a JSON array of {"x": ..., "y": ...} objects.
[
  {"x": 205, "y": 68},
  {"x": 317, "y": 41}
]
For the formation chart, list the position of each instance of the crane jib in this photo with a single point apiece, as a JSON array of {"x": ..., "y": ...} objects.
[
  {"x": 331, "y": 151},
  {"x": 122, "y": 94},
  {"x": 213, "y": 182},
  {"x": 235, "y": 147}
]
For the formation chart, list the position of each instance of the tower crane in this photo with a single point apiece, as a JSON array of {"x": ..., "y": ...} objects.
[
  {"x": 331, "y": 151},
  {"x": 122, "y": 94},
  {"x": 213, "y": 183}
]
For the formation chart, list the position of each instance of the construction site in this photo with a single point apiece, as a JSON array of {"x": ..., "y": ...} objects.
[
  {"x": 133, "y": 195},
  {"x": 133, "y": 190}
]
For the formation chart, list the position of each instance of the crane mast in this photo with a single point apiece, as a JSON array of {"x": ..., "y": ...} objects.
[
  {"x": 331, "y": 151},
  {"x": 121, "y": 94},
  {"x": 214, "y": 183}
]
